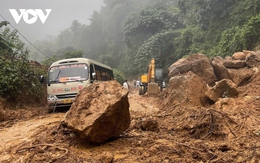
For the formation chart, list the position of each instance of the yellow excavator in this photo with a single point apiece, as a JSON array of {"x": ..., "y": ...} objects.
[{"x": 152, "y": 81}]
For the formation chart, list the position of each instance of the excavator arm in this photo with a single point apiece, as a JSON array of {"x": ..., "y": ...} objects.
[{"x": 149, "y": 77}]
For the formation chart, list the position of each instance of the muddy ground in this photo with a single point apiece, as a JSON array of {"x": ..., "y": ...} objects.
[{"x": 158, "y": 133}]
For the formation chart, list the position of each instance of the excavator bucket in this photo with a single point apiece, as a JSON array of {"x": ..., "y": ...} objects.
[{"x": 153, "y": 89}]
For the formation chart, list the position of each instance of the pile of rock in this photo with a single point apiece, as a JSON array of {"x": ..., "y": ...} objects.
[{"x": 200, "y": 81}]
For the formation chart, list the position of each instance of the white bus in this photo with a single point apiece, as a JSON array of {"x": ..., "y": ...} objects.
[{"x": 68, "y": 76}]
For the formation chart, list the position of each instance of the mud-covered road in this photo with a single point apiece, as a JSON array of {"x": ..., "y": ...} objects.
[
  {"x": 227, "y": 131},
  {"x": 42, "y": 138},
  {"x": 22, "y": 132}
]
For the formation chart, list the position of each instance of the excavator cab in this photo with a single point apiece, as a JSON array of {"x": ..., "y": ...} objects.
[{"x": 159, "y": 77}]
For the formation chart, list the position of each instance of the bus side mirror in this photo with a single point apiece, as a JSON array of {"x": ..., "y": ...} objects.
[
  {"x": 94, "y": 75},
  {"x": 42, "y": 79}
]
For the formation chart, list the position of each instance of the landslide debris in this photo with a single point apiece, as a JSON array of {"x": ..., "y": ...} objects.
[
  {"x": 100, "y": 112},
  {"x": 226, "y": 127},
  {"x": 185, "y": 124}
]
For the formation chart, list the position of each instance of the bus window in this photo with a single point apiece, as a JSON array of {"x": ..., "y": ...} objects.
[
  {"x": 103, "y": 74},
  {"x": 68, "y": 73},
  {"x": 91, "y": 72}
]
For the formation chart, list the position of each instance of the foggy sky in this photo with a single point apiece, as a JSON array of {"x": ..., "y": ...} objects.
[{"x": 62, "y": 14}]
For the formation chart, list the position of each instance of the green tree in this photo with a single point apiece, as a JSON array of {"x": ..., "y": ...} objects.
[
  {"x": 160, "y": 47},
  {"x": 131, "y": 32},
  {"x": 118, "y": 75},
  {"x": 18, "y": 76},
  {"x": 63, "y": 53}
]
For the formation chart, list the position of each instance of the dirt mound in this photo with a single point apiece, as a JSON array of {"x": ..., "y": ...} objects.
[
  {"x": 10, "y": 112},
  {"x": 226, "y": 132},
  {"x": 161, "y": 130},
  {"x": 228, "y": 129},
  {"x": 251, "y": 88}
]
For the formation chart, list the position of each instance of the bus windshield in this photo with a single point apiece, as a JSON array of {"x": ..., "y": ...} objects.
[{"x": 68, "y": 73}]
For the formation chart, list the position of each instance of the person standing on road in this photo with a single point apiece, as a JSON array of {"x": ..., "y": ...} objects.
[
  {"x": 137, "y": 83},
  {"x": 125, "y": 84}
]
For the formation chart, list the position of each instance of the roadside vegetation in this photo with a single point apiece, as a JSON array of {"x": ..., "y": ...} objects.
[
  {"x": 19, "y": 76},
  {"x": 126, "y": 34}
]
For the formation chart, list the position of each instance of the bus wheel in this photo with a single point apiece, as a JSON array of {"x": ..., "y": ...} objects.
[{"x": 51, "y": 110}]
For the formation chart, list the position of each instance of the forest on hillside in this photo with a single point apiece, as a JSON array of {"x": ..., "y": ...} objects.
[
  {"x": 131, "y": 32},
  {"x": 126, "y": 34}
]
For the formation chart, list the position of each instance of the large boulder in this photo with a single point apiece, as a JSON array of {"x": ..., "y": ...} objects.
[
  {"x": 248, "y": 52},
  {"x": 234, "y": 63},
  {"x": 223, "y": 89},
  {"x": 198, "y": 64},
  {"x": 188, "y": 88},
  {"x": 100, "y": 112},
  {"x": 239, "y": 56},
  {"x": 241, "y": 76},
  {"x": 252, "y": 60},
  {"x": 220, "y": 70}
]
